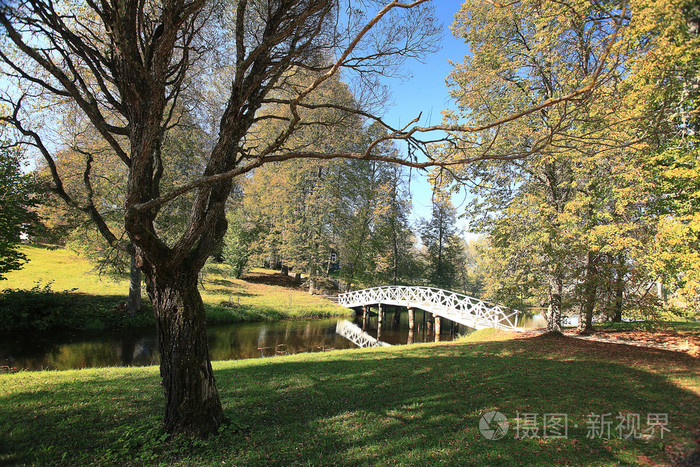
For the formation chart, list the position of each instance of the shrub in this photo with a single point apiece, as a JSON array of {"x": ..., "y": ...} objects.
[{"x": 41, "y": 308}]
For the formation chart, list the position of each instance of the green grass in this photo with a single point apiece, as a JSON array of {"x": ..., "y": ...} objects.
[
  {"x": 414, "y": 405},
  {"x": 64, "y": 270},
  {"x": 82, "y": 299}
]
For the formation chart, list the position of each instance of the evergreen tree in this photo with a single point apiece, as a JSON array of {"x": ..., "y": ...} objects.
[{"x": 440, "y": 237}]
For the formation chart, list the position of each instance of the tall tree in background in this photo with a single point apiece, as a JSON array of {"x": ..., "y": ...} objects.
[
  {"x": 184, "y": 145},
  {"x": 295, "y": 205},
  {"x": 663, "y": 98},
  {"x": 395, "y": 255},
  {"x": 370, "y": 212},
  {"x": 605, "y": 207},
  {"x": 439, "y": 235},
  {"x": 305, "y": 211},
  {"x": 522, "y": 53},
  {"x": 72, "y": 225}
]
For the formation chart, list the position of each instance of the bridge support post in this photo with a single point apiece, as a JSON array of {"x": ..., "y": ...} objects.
[
  {"x": 365, "y": 317},
  {"x": 411, "y": 318},
  {"x": 380, "y": 316},
  {"x": 437, "y": 328}
]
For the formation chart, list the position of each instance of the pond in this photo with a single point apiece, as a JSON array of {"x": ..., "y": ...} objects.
[{"x": 226, "y": 342}]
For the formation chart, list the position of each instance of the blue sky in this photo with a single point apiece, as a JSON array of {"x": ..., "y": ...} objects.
[{"x": 425, "y": 91}]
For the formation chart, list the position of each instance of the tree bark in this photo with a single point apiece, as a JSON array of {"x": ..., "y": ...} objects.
[
  {"x": 585, "y": 322},
  {"x": 619, "y": 290},
  {"x": 133, "y": 302},
  {"x": 192, "y": 404},
  {"x": 554, "y": 312}
]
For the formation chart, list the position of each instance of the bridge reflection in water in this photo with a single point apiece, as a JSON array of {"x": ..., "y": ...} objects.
[{"x": 357, "y": 336}]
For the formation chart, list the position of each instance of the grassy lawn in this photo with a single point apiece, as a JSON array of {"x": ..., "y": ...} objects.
[
  {"x": 403, "y": 405},
  {"x": 94, "y": 299}
]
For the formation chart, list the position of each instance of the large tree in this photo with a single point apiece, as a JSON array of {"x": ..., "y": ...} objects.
[
  {"x": 664, "y": 100},
  {"x": 522, "y": 53},
  {"x": 126, "y": 64}
]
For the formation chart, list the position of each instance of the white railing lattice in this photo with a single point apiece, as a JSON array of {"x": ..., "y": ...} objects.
[{"x": 454, "y": 306}]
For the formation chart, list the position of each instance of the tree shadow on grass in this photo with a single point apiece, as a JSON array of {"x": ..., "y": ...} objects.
[
  {"x": 412, "y": 406},
  {"x": 424, "y": 405},
  {"x": 278, "y": 279},
  {"x": 70, "y": 420}
]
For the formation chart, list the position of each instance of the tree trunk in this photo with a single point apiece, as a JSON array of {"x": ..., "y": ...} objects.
[
  {"x": 617, "y": 316},
  {"x": 133, "y": 303},
  {"x": 554, "y": 312},
  {"x": 192, "y": 401},
  {"x": 619, "y": 290},
  {"x": 585, "y": 322}
]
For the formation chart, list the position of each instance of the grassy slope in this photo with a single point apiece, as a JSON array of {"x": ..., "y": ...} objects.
[
  {"x": 405, "y": 405},
  {"x": 65, "y": 270}
]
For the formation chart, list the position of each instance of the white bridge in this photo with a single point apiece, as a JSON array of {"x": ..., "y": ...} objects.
[{"x": 456, "y": 307}]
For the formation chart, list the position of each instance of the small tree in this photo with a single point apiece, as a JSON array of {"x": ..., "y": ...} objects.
[
  {"x": 15, "y": 214},
  {"x": 237, "y": 249}
]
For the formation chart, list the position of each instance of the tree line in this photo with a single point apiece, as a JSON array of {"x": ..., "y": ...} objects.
[{"x": 602, "y": 217}]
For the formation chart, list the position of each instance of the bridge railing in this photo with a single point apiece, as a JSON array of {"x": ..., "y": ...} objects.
[{"x": 452, "y": 305}]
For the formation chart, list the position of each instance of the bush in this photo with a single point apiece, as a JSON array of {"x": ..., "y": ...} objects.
[{"x": 41, "y": 309}]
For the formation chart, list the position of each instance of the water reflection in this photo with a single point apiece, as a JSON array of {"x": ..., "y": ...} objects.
[
  {"x": 226, "y": 342},
  {"x": 267, "y": 339},
  {"x": 532, "y": 321},
  {"x": 68, "y": 351},
  {"x": 396, "y": 327},
  {"x": 357, "y": 336},
  {"x": 140, "y": 347}
]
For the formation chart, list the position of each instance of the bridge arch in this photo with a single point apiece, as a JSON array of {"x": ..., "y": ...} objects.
[{"x": 454, "y": 306}]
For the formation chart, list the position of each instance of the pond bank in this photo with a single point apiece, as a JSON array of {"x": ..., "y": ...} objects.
[{"x": 59, "y": 289}]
